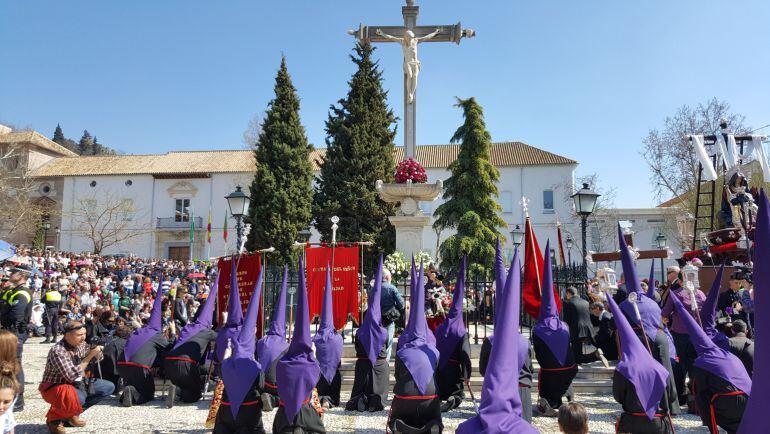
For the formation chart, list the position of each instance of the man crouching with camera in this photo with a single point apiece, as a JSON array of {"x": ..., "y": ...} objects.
[{"x": 68, "y": 384}]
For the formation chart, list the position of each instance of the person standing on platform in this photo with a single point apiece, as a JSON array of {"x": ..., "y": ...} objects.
[
  {"x": 328, "y": 349},
  {"x": 577, "y": 314}
]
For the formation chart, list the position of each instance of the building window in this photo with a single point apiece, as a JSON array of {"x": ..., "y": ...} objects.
[
  {"x": 182, "y": 213},
  {"x": 547, "y": 201},
  {"x": 129, "y": 183},
  {"x": 506, "y": 201},
  {"x": 92, "y": 184},
  {"x": 128, "y": 209}
]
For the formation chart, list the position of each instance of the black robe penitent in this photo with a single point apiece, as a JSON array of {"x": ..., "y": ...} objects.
[
  {"x": 660, "y": 353},
  {"x": 554, "y": 380},
  {"x": 249, "y": 420},
  {"x": 418, "y": 410},
  {"x": 136, "y": 372},
  {"x": 525, "y": 378},
  {"x": 451, "y": 379},
  {"x": 370, "y": 385},
  {"x": 184, "y": 366},
  {"x": 718, "y": 400},
  {"x": 308, "y": 420},
  {"x": 330, "y": 393},
  {"x": 634, "y": 419}
]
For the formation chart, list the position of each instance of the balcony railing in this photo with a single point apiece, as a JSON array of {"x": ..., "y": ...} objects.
[{"x": 171, "y": 223}]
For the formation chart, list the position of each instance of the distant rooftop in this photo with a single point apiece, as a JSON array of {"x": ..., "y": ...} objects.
[{"x": 33, "y": 137}]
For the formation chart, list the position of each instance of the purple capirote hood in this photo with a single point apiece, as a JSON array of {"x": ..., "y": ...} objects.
[
  {"x": 273, "y": 344},
  {"x": 549, "y": 328},
  {"x": 204, "y": 320},
  {"x": 232, "y": 327},
  {"x": 144, "y": 334},
  {"x": 328, "y": 343},
  {"x": 708, "y": 314},
  {"x": 372, "y": 335},
  {"x": 297, "y": 372},
  {"x": 755, "y": 416},
  {"x": 637, "y": 364},
  {"x": 452, "y": 330},
  {"x": 500, "y": 407},
  {"x": 415, "y": 350}
]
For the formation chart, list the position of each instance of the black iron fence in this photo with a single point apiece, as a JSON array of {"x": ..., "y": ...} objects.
[{"x": 479, "y": 303}]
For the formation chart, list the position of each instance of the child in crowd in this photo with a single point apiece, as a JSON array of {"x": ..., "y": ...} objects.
[
  {"x": 573, "y": 418},
  {"x": 9, "y": 388}
]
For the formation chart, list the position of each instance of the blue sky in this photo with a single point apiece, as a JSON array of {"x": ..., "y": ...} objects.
[{"x": 581, "y": 79}]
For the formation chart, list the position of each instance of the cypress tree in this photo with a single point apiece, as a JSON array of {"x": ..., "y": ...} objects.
[
  {"x": 359, "y": 136},
  {"x": 97, "y": 148},
  {"x": 85, "y": 146},
  {"x": 470, "y": 194},
  {"x": 58, "y": 135},
  {"x": 281, "y": 192}
]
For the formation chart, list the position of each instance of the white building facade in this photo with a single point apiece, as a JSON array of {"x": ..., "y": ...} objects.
[{"x": 154, "y": 201}]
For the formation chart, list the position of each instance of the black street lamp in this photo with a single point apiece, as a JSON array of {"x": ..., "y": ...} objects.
[
  {"x": 570, "y": 242},
  {"x": 517, "y": 236},
  {"x": 238, "y": 202},
  {"x": 46, "y": 228},
  {"x": 585, "y": 203},
  {"x": 661, "y": 240}
]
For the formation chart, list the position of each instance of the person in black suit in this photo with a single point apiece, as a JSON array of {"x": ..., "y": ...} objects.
[{"x": 582, "y": 335}]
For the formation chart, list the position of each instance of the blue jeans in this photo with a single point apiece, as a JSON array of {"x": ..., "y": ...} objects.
[
  {"x": 389, "y": 343},
  {"x": 102, "y": 388}
]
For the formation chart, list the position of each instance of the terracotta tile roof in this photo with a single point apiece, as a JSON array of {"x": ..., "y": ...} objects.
[
  {"x": 37, "y": 139},
  {"x": 430, "y": 156}
]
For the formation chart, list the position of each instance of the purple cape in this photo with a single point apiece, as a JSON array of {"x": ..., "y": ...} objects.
[
  {"x": 649, "y": 310},
  {"x": 711, "y": 358},
  {"x": 549, "y": 328},
  {"x": 297, "y": 371},
  {"x": 204, "y": 319},
  {"x": 500, "y": 408},
  {"x": 273, "y": 344},
  {"x": 144, "y": 334},
  {"x": 452, "y": 330},
  {"x": 328, "y": 343},
  {"x": 232, "y": 327},
  {"x": 241, "y": 369},
  {"x": 708, "y": 314},
  {"x": 639, "y": 367},
  {"x": 418, "y": 354},
  {"x": 372, "y": 334},
  {"x": 755, "y": 416}
]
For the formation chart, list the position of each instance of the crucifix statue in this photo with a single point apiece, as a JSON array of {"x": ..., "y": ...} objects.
[{"x": 408, "y": 36}]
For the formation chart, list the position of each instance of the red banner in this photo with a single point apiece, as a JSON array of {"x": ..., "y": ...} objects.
[
  {"x": 533, "y": 274},
  {"x": 248, "y": 272},
  {"x": 344, "y": 281}
]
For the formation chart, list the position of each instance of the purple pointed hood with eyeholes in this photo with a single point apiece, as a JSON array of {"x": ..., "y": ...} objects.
[
  {"x": 144, "y": 334},
  {"x": 711, "y": 358},
  {"x": 452, "y": 330},
  {"x": 648, "y": 308},
  {"x": 204, "y": 319},
  {"x": 549, "y": 328},
  {"x": 755, "y": 416},
  {"x": 500, "y": 408},
  {"x": 297, "y": 372},
  {"x": 241, "y": 369},
  {"x": 232, "y": 326},
  {"x": 501, "y": 287},
  {"x": 415, "y": 348},
  {"x": 328, "y": 343},
  {"x": 637, "y": 364},
  {"x": 273, "y": 344},
  {"x": 651, "y": 282},
  {"x": 372, "y": 335},
  {"x": 708, "y": 314}
]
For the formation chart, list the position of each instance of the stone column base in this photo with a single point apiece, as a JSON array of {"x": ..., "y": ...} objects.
[{"x": 409, "y": 233}]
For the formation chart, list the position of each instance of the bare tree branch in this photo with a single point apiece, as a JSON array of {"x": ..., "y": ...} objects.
[{"x": 106, "y": 220}]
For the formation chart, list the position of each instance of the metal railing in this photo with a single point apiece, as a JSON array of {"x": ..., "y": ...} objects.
[{"x": 171, "y": 223}]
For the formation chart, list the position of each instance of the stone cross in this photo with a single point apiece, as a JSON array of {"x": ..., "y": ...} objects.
[{"x": 409, "y": 35}]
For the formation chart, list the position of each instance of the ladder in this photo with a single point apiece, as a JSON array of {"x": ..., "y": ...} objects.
[{"x": 705, "y": 199}]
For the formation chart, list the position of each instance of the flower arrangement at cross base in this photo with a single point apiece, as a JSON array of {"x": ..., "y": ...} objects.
[{"x": 410, "y": 170}]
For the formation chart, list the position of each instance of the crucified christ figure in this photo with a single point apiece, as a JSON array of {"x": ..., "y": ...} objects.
[{"x": 411, "y": 63}]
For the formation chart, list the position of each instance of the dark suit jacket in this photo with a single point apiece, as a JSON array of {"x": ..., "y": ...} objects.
[{"x": 577, "y": 315}]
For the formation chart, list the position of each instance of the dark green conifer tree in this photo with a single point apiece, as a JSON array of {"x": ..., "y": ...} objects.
[
  {"x": 86, "y": 144},
  {"x": 281, "y": 192},
  {"x": 471, "y": 194},
  {"x": 58, "y": 135},
  {"x": 359, "y": 136}
]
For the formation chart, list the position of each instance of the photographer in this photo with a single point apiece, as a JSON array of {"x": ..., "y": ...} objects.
[{"x": 65, "y": 385}]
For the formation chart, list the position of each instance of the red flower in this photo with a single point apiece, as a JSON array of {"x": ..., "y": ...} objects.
[{"x": 410, "y": 169}]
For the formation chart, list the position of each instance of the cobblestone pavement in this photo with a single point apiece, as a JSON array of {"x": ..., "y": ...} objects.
[{"x": 109, "y": 417}]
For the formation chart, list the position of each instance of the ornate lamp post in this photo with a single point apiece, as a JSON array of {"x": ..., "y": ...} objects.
[
  {"x": 46, "y": 228},
  {"x": 517, "y": 236},
  {"x": 661, "y": 240},
  {"x": 238, "y": 202},
  {"x": 570, "y": 242},
  {"x": 585, "y": 203}
]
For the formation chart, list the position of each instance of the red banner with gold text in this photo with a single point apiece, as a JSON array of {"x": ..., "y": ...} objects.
[
  {"x": 248, "y": 272},
  {"x": 344, "y": 281}
]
